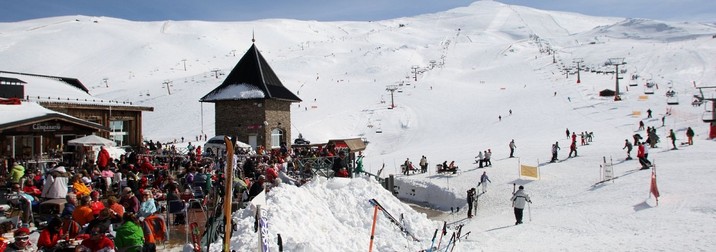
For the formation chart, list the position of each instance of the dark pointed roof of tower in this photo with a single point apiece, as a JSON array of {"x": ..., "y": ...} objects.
[{"x": 251, "y": 78}]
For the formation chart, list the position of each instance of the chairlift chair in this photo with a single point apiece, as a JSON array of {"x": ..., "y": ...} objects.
[
  {"x": 672, "y": 100},
  {"x": 649, "y": 89}
]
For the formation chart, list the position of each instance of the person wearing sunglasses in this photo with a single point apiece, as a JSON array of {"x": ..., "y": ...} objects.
[
  {"x": 98, "y": 241},
  {"x": 22, "y": 241}
]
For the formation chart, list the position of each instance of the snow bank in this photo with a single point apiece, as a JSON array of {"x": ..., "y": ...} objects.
[{"x": 332, "y": 215}]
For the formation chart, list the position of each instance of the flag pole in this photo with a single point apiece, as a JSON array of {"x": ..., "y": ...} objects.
[
  {"x": 228, "y": 180},
  {"x": 372, "y": 229}
]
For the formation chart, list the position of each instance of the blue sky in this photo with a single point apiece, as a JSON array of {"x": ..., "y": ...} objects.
[{"x": 335, "y": 10}]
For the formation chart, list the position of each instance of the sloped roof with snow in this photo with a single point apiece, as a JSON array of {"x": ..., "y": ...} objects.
[
  {"x": 69, "y": 81},
  {"x": 251, "y": 78},
  {"x": 31, "y": 112},
  {"x": 54, "y": 89}
]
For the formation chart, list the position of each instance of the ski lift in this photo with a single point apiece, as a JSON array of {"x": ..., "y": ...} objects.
[
  {"x": 649, "y": 88},
  {"x": 671, "y": 97},
  {"x": 708, "y": 116},
  {"x": 670, "y": 93},
  {"x": 633, "y": 80}
]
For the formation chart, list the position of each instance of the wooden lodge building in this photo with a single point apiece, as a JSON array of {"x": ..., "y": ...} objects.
[
  {"x": 40, "y": 113},
  {"x": 252, "y": 104}
]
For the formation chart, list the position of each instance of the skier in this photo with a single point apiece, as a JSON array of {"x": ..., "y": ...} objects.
[
  {"x": 488, "y": 155},
  {"x": 512, "y": 148},
  {"x": 628, "y": 146},
  {"x": 642, "y": 154},
  {"x": 483, "y": 181},
  {"x": 470, "y": 198},
  {"x": 641, "y": 125},
  {"x": 663, "y": 118},
  {"x": 672, "y": 135},
  {"x": 423, "y": 164},
  {"x": 574, "y": 137},
  {"x": 555, "y": 148},
  {"x": 519, "y": 200},
  {"x": 479, "y": 158},
  {"x": 690, "y": 136},
  {"x": 648, "y": 113},
  {"x": 652, "y": 138},
  {"x": 567, "y": 133},
  {"x": 406, "y": 167},
  {"x": 637, "y": 138},
  {"x": 573, "y": 148},
  {"x": 583, "y": 138}
]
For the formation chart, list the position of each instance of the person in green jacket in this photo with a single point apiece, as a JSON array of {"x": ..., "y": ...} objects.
[
  {"x": 129, "y": 237},
  {"x": 359, "y": 164},
  {"x": 16, "y": 172}
]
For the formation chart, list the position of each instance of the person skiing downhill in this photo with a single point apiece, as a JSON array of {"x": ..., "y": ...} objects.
[
  {"x": 555, "y": 148},
  {"x": 519, "y": 200},
  {"x": 573, "y": 149},
  {"x": 512, "y": 148},
  {"x": 642, "y": 154},
  {"x": 574, "y": 137},
  {"x": 628, "y": 146},
  {"x": 483, "y": 181},
  {"x": 637, "y": 138}
]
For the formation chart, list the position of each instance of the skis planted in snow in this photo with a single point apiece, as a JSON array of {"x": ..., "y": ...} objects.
[
  {"x": 392, "y": 219},
  {"x": 442, "y": 233}
]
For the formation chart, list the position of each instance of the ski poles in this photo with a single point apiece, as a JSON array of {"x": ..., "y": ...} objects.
[
  {"x": 433, "y": 242},
  {"x": 529, "y": 210}
]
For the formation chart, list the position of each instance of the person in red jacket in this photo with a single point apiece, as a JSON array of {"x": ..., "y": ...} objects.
[
  {"x": 95, "y": 204},
  {"x": 97, "y": 241},
  {"x": 103, "y": 158},
  {"x": 271, "y": 174},
  {"x": 50, "y": 235},
  {"x": 146, "y": 167},
  {"x": 642, "y": 155}
]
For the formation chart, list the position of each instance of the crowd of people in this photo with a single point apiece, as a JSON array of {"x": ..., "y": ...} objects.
[{"x": 118, "y": 203}]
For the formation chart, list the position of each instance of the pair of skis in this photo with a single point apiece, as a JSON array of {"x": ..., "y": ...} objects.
[{"x": 392, "y": 219}]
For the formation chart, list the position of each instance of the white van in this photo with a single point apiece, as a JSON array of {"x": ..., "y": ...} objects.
[{"x": 217, "y": 145}]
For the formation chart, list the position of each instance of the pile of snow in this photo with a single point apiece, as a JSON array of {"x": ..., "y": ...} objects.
[{"x": 331, "y": 215}]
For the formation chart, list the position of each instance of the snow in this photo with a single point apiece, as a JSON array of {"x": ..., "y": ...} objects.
[
  {"x": 489, "y": 58},
  {"x": 23, "y": 111},
  {"x": 236, "y": 92}
]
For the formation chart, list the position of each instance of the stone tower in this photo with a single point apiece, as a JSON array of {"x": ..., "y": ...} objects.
[{"x": 252, "y": 104}]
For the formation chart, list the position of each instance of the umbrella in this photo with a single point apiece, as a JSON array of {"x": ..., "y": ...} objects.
[{"x": 91, "y": 140}]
